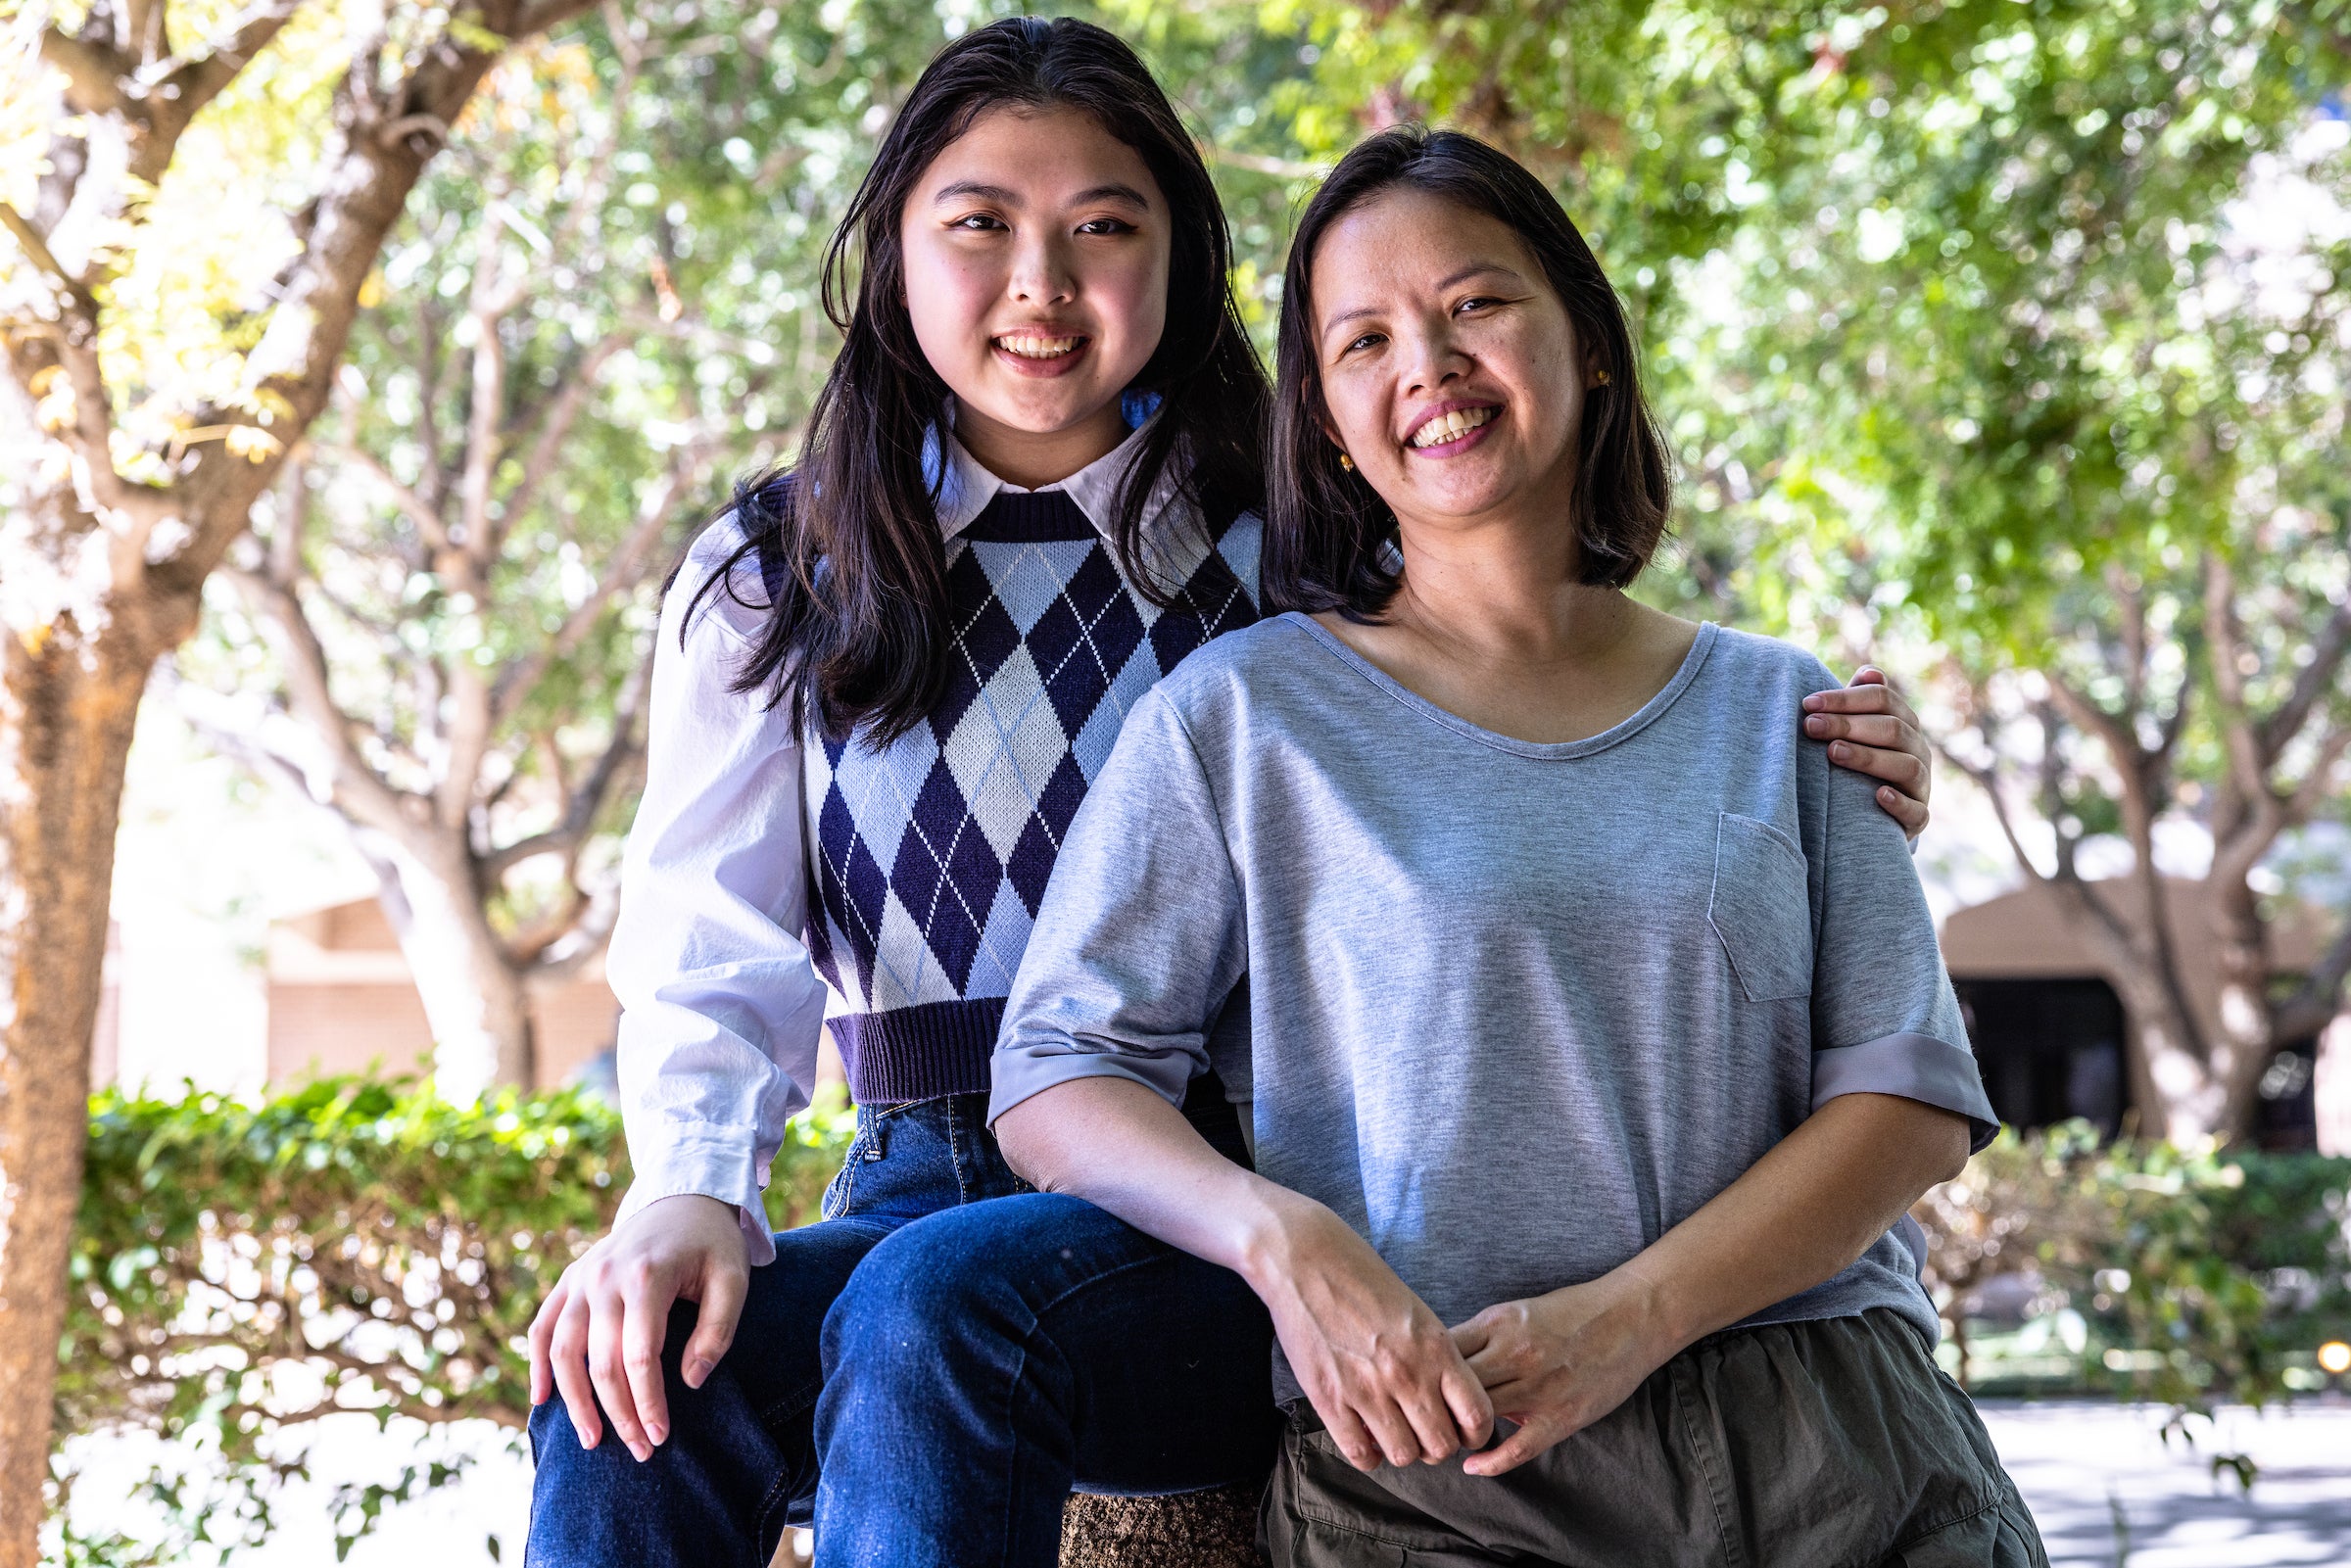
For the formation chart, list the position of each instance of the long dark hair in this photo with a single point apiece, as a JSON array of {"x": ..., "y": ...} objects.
[
  {"x": 1327, "y": 533},
  {"x": 847, "y": 540}
]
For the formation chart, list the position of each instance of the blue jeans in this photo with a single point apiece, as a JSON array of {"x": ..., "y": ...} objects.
[{"x": 994, "y": 1348}]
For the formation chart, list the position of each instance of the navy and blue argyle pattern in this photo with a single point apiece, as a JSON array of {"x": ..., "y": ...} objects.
[{"x": 928, "y": 856}]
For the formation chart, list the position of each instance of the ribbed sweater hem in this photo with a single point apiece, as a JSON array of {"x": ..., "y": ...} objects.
[{"x": 919, "y": 1053}]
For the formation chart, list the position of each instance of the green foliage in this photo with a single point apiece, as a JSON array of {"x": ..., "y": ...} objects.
[
  {"x": 2200, "y": 1276},
  {"x": 241, "y": 1270},
  {"x": 1942, "y": 302}
]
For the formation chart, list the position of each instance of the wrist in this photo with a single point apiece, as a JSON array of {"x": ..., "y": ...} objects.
[
  {"x": 1270, "y": 1232},
  {"x": 1659, "y": 1312}
]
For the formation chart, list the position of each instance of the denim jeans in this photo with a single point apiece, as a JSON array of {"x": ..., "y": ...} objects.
[{"x": 1036, "y": 1346}]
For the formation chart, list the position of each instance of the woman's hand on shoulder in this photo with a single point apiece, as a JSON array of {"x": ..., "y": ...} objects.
[
  {"x": 600, "y": 1332},
  {"x": 1556, "y": 1363},
  {"x": 1377, "y": 1365},
  {"x": 1872, "y": 730}
]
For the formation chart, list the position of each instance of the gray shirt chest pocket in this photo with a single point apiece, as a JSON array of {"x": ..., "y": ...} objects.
[{"x": 1761, "y": 909}]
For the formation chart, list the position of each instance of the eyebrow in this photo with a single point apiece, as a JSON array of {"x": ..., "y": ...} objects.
[
  {"x": 1003, "y": 196},
  {"x": 1444, "y": 283}
]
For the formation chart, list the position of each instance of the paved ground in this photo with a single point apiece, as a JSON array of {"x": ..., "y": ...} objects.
[
  {"x": 2101, "y": 1481},
  {"x": 2107, "y": 1490}
]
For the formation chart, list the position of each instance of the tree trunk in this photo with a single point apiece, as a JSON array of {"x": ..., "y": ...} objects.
[
  {"x": 474, "y": 1000},
  {"x": 66, "y": 713},
  {"x": 2174, "y": 1093},
  {"x": 2171, "y": 1091},
  {"x": 2247, "y": 1039}
]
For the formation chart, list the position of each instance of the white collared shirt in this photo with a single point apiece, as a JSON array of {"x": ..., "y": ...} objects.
[{"x": 721, "y": 1005}]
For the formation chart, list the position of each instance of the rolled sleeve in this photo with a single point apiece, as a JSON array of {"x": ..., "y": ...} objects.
[
  {"x": 721, "y": 1007},
  {"x": 1138, "y": 939},
  {"x": 1916, "y": 1067},
  {"x": 1884, "y": 1017},
  {"x": 1023, "y": 1073}
]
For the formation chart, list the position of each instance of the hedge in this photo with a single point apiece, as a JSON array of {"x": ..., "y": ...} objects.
[
  {"x": 2194, "y": 1275},
  {"x": 241, "y": 1270}
]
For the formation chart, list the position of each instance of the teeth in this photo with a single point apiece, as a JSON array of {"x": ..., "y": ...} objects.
[
  {"x": 1033, "y": 348},
  {"x": 1451, "y": 426}
]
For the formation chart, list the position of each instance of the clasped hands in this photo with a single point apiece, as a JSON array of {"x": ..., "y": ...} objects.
[{"x": 1394, "y": 1385}]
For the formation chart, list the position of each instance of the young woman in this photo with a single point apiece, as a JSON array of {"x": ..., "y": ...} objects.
[
  {"x": 1599, "y": 1036},
  {"x": 883, "y": 684}
]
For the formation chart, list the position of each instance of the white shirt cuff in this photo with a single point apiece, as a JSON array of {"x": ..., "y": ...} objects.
[{"x": 724, "y": 1171}]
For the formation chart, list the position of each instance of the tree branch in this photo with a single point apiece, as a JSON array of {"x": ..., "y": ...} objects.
[
  {"x": 93, "y": 70},
  {"x": 364, "y": 190},
  {"x": 191, "y": 85},
  {"x": 598, "y": 178},
  {"x": 246, "y": 747},
  {"x": 622, "y": 573},
  {"x": 415, "y": 507},
  {"x": 590, "y": 796},
  {"x": 37, "y": 249},
  {"x": 559, "y": 415},
  {"x": 485, "y": 414},
  {"x": 2247, "y": 765},
  {"x": 157, "y": 100},
  {"x": 2327, "y": 653},
  {"x": 2304, "y": 802},
  {"x": 2315, "y": 1002},
  {"x": 1987, "y": 779},
  {"x": 359, "y": 790}
]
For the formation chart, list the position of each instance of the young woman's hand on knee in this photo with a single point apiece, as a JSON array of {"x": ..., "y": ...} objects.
[
  {"x": 1556, "y": 1363},
  {"x": 598, "y": 1333},
  {"x": 1872, "y": 730},
  {"x": 1377, "y": 1365}
]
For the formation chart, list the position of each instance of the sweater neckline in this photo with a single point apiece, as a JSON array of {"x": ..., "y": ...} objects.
[{"x": 1537, "y": 750}]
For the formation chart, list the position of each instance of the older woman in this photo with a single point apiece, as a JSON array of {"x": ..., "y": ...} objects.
[{"x": 1598, "y": 1041}]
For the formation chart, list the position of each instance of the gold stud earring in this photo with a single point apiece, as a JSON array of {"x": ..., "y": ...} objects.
[
  {"x": 1347, "y": 463},
  {"x": 1602, "y": 380}
]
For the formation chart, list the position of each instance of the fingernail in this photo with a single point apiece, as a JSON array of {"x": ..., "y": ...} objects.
[
  {"x": 1840, "y": 751},
  {"x": 641, "y": 1451},
  {"x": 1816, "y": 725},
  {"x": 659, "y": 1433},
  {"x": 1811, "y": 702},
  {"x": 694, "y": 1371},
  {"x": 587, "y": 1438}
]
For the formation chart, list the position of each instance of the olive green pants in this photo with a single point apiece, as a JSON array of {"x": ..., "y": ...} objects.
[{"x": 1835, "y": 1443}]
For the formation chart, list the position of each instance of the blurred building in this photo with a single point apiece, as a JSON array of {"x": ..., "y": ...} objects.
[
  {"x": 2047, "y": 1021},
  {"x": 341, "y": 1001}
]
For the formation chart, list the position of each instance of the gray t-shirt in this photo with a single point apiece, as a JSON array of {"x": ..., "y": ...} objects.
[{"x": 1514, "y": 1009}]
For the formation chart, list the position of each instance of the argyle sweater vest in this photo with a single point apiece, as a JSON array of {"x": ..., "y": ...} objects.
[{"x": 928, "y": 856}]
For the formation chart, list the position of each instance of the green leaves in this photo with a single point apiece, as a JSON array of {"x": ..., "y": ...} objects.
[
  {"x": 2203, "y": 1277},
  {"x": 240, "y": 1269}
]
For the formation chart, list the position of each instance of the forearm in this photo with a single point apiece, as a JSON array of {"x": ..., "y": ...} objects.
[
  {"x": 1800, "y": 1215},
  {"x": 1125, "y": 1149}
]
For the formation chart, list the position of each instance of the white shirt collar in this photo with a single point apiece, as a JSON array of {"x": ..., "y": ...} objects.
[{"x": 965, "y": 488}]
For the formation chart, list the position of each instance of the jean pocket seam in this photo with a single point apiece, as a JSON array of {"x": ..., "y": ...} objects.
[{"x": 844, "y": 1181}]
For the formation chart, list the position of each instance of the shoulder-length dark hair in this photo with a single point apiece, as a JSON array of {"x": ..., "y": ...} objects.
[
  {"x": 847, "y": 540},
  {"x": 1328, "y": 536}
]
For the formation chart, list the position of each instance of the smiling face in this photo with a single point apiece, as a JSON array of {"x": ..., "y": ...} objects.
[
  {"x": 1037, "y": 251},
  {"x": 1450, "y": 372}
]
